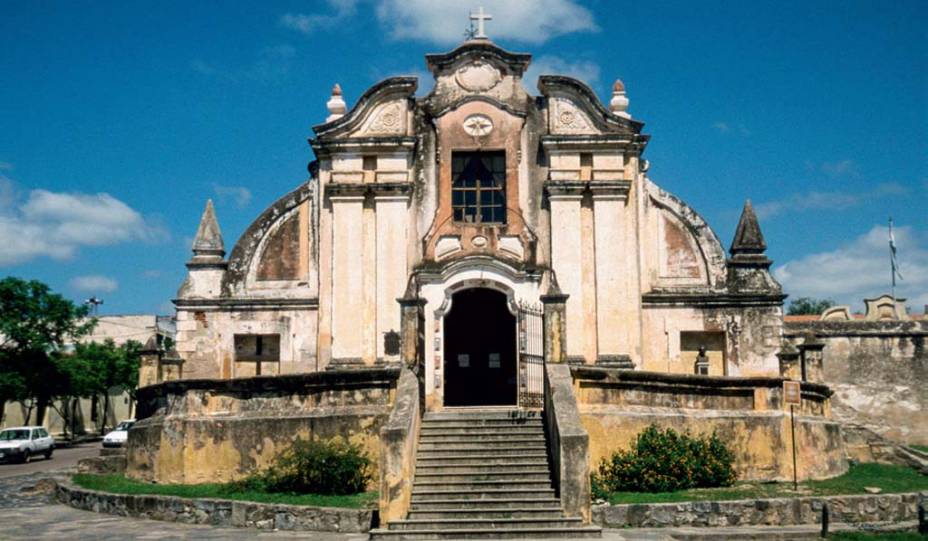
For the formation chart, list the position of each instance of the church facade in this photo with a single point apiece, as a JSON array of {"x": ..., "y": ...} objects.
[{"x": 485, "y": 207}]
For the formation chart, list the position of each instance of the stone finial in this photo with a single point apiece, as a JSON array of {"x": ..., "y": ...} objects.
[
  {"x": 748, "y": 245},
  {"x": 336, "y": 104},
  {"x": 207, "y": 245},
  {"x": 619, "y": 102}
]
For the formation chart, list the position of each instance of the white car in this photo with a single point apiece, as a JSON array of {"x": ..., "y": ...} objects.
[
  {"x": 20, "y": 444},
  {"x": 117, "y": 437}
]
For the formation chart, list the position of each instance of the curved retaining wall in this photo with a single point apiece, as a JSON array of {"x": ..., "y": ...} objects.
[
  {"x": 856, "y": 509},
  {"x": 747, "y": 412},
  {"x": 210, "y": 431},
  {"x": 228, "y": 513}
]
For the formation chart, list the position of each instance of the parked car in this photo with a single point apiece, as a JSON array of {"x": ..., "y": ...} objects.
[
  {"x": 20, "y": 444},
  {"x": 117, "y": 437}
]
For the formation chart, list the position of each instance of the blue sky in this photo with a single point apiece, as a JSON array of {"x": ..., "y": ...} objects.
[{"x": 118, "y": 120}]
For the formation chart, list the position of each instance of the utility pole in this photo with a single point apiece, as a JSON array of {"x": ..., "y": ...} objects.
[{"x": 94, "y": 304}]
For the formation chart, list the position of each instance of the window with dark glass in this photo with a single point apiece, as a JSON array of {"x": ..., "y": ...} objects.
[{"x": 478, "y": 187}]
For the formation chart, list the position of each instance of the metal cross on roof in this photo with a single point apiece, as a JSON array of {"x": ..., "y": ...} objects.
[{"x": 480, "y": 17}]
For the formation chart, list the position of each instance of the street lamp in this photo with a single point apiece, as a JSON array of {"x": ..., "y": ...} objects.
[{"x": 93, "y": 302}]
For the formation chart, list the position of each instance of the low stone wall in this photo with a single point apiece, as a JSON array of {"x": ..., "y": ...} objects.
[
  {"x": 197, "y": 431},
  {"x": 748, "y": 413},
  {"x": 773, "y": 512},
  {"x": 878, "y": 371},
  {"x": 214, "y": 512}
]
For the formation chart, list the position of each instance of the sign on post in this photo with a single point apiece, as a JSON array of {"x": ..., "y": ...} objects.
[{"x": 792, "y": 394}]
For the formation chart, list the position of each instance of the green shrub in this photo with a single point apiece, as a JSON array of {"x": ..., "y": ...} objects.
[
  {"x": 315, "y": 467},
  {"x": 665, "y": 461}
]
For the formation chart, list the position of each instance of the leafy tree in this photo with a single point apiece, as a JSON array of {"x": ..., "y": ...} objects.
[
  {"x": 808, "y": 306},
  {"x": 96, "y": 369},
  {"x": 35, "y": 325}
]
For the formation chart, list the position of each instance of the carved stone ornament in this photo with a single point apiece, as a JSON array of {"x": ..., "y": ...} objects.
[
  {"x": 478, "y": 125},
  {"x": 388, "y": 120},
  {"x": 568, "y": 118},
  {"x": 477, "y": 77}
]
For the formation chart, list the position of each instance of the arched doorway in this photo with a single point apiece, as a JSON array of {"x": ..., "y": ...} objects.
[{"x": 480, "y": 350}]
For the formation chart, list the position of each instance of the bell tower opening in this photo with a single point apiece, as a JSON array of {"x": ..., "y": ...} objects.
[{"x": 480, "y": 350}]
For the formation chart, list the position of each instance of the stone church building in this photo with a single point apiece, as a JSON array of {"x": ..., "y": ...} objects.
[
  {"x": 477, "y": 282},
  {"x": 482, "y": 201}
]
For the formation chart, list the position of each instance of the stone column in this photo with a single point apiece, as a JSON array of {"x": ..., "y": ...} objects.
[
  {"x": 555, "y": 326},
  {"x": 566, "y": 258},
  {"x": 616, "y": 285},
  {"x": 412, "y": 336},
  {"x": 347, "y": 278},
  {"x": 391, "y": 264},
  {"x": 150, "y": 364}
]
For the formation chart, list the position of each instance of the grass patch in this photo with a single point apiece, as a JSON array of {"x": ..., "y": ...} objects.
[
  {"x": 887, "y": 477},
  {"x": 889, "y": 536},
  {"x": 922, "y": 448},
  {"x": 119, "y": 484}
]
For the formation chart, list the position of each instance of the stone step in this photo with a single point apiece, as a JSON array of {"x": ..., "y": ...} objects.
[
  {"x": 482, "y": 459},
  {"x": 426, "y": 494},
  {"x": 509, "y": 447},
  {"x": 454, "y": 426},
  {"x": 477, "y": 533},
  {"x": 508, "y": 484},
  {"x": 483, "y": 523},
  {"x": 443, "y": 504},
  {"x": 455, "y": 474},
  {"x": 502, "y": 437},
  {"x": 488, "y": 513},
  {"x": 482, "y": 414}
]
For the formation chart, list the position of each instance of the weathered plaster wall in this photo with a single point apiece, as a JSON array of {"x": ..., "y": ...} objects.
[
  {"x": 197, "y": 431},
  {"x": 747, "y": 413},
  {"x": 878, "y": 371}
]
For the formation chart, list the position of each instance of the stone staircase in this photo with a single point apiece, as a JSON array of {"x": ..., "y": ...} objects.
[{"x": 483, "y": 474}]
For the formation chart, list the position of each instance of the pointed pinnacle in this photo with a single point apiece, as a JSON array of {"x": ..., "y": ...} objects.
[
  {"x": 748, "y": 237},
  {"x": 208, "y": 241}
]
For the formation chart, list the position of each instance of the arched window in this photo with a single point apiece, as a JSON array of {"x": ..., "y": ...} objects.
[{"x": 478, "y": 187}]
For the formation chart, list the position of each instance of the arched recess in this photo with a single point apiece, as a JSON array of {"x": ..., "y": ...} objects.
[{"x": 278, "y": 251}]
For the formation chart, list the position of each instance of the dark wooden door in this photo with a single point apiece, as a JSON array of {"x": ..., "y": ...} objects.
[{"x": 480, "y": 350}]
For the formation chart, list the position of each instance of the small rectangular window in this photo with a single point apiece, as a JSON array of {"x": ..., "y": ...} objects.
[
  {"x": 369, "y": 163},
  {"x": 586, "y": 159}
]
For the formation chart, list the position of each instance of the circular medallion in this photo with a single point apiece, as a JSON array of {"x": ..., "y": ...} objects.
[
  {"x": 478, "y": 125},
  {"x": 477, "y": 77},
  {"x": 479, "y": 241},
  {"x": 567, "y": 117}
]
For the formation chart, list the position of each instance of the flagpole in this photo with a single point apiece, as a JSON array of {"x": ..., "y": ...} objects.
[{"x": 892, "y": 261}]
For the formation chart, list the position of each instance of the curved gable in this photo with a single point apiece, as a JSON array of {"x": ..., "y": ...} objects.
[
  {"x": 688, "y": 252},
  {"x": 382, "y": 110},
  {"x": 574, "y": 108},
  {"x": 278, "y": 250}
]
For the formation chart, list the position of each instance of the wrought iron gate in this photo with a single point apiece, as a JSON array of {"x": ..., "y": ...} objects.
[{"x": 531, "y": 356}]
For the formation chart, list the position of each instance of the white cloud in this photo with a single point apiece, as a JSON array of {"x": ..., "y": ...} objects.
[
  {"x": 57, "y": 224},
  {"x": 586, "y": 71},
  {"x": 724, "y": 127},
  {"x": 861, "y": 269},
  {"x": 841, "y": 168},
  {"x": 307, "y": 23},
  {"x": 94, "y": 283},
  {"x": 799, "y": 202},
  {"x": 444, "y": 21},
  {"x": 240, "y": 194}
]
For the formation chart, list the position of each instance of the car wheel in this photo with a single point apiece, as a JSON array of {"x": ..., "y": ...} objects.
[
  {"x": 27, "y": 457},
  {"x": 48, "y": 454}
]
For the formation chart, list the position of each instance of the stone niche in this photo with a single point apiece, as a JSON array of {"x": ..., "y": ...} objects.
[{"x": 199, "y": 431}]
